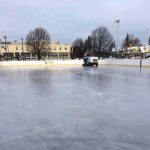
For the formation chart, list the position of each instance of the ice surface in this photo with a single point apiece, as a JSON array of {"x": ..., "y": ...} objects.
[{"x": 105, "y": 108}]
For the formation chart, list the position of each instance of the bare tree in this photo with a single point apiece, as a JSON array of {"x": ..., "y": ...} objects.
[
  {"x": 38, "y": 39},
  {"x": 78, "y": 42},
  {"x": 130, "y": 41},
  {"x": 102, "y": 40}
]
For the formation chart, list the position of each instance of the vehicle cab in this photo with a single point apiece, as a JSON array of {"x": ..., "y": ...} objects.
[{"x": 90, "y": 61}]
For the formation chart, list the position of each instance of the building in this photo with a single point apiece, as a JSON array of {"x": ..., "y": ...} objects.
[
  {"x": 142, "y": 49},
  {"x": 54, "y": 50}
]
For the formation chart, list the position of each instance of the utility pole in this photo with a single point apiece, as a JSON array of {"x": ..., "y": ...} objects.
[{"x": 117, "y": 36}]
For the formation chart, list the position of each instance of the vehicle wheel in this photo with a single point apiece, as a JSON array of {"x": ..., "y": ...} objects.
[{"x": 91, "y": 64}]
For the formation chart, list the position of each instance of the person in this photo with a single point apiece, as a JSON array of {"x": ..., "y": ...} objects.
[{"x": 140, "y": 62}]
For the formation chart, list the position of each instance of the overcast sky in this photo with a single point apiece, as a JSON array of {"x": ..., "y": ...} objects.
[{"x": 66, "y": 20}]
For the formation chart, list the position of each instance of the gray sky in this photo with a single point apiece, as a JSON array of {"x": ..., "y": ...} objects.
[{"x": 66, "y": 20}]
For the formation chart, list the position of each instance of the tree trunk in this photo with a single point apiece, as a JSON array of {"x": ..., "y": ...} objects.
[{"x": 39, "y": 55}]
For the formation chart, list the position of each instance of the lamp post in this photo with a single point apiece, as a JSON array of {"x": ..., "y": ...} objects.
[
  {"x": 0, "y": 46},
  {"x": 117, "y": 36},
  {"x": 0, "y": 50},
  {"x": 22, "y": 47},
  {"x": 5, "y": 37}
]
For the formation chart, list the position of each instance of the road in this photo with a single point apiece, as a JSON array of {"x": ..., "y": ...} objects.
[{"x": 74, "y": 108}]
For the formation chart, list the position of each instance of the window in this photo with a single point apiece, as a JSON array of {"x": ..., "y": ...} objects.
[
  {"x": 52, "y": 54},
  {"x": 27, "y": 48},
  {"x": 16, "y": 54},
  {"x": 27, "y": 54},
  {"x": 11, "y": 54},
  {"x": 4, "y": 54},
  {"x": 65, "y": 48},
  {"x": 16, "y": 47},
  {"x": 33, "y": 55}
]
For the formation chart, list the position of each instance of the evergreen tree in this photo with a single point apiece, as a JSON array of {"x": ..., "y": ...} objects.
[
  {"x": 78, "y": 48},
  {"x": 127, "y": 41},
  {"x": 130, "y": 41}
]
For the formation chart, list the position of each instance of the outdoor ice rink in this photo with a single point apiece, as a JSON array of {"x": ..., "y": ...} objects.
[{"x": 74, "y": 108}]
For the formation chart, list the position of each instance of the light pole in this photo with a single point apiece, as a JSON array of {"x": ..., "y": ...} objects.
[
  {"x": 117, "y": 37},
  {"x": 0, "y": 50},
  {"x": 0, "y": 47},
  {"x": 5, "y": 37},
  {"x": 22, "y": 47}
]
